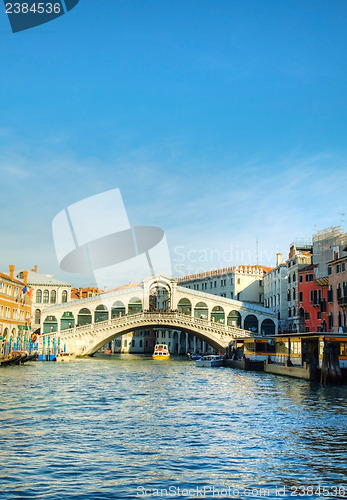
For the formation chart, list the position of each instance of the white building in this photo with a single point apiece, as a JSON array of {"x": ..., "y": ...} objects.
[
  {"x": 275, "y": 291},
  {"x": 243, "y": 283},
  {"x": 46, "y": 291}
]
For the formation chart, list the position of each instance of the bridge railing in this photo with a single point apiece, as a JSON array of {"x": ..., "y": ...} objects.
[{"x": 177, "y": 318}]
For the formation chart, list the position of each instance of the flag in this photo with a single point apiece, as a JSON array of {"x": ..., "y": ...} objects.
[
  {"x": 24, "y": 291},
  {"x": 29, "y": 292}
]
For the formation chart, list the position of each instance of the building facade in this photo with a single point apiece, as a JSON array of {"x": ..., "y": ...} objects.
[
  {"x": 243, "y": 283},
  {"x": 337, "y": 294},
  {"x": 312, "y": 301},
  {"x": 46, "y": 291},
  {"x": 300, "y": 256},
  {"x": 15, "y": 306},
  {"x": 275, "y": 291}
]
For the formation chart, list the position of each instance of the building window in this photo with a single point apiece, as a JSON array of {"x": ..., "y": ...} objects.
[
  {"x": 64, "y": 296},
  {"x": 294, "y": 277},
  {"x": 37, "y": 316},
  {"x": 46, "y": 297},
  {"x": 338, "y": 268},
  {"x": 300, "y": 278},
  {"x": 301, "y": 296},
  {"x": 39, "y": 296},
  {"x": 329, "y": 270},
  {"x": 53, "y": 297},
  {"x": 343, "y": 267}
]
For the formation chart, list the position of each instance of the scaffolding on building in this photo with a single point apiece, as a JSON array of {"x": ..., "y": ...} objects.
[{"x": 325, "y": 243}]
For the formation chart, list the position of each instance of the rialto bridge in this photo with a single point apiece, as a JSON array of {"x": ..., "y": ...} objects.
[{"x": 85, "y": 325}]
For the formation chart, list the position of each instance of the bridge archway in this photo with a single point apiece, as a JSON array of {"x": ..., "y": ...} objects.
[
  {"x": 184, "y": 306},
  {"x": 50, "y": 324},
  {"x": 234, "y": 319},
  {"x": 160, "y": 296},
  {"x": 218, "y": 314},
  {"x": 251, "y": 323},
  {"x": 100, "y": 313},
  {"x": 84, "y": 317},
  {"x": 135, "y": 305},
  {"x": 268, "y": 327},
  {"x": 118, "y": 309},
  {"x": 67, "y": 320},
  {"x": 201, "y": 310}
]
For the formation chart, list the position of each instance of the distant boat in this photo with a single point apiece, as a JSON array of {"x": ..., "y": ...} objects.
[
  {"x": 194, "y": 357},
  {"x": 211, "y": 361},
  {"x": 64, "y": 357},
  {"x": 161, "y": 352}
]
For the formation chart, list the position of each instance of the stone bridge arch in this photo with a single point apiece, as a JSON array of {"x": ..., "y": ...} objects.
[{"x": 87, "y": 339}]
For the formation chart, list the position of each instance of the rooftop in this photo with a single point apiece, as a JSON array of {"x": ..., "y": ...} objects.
[
  {"x": 35, "y": 278},
  {"x": 220, "y": 272},
  {"x": 14, "y": 280}
]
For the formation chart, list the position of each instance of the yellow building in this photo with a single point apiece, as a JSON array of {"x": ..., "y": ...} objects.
[{"x": 15, "y": 306}]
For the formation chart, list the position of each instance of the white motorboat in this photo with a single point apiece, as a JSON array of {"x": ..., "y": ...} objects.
[{"x": 211, "y": 361}]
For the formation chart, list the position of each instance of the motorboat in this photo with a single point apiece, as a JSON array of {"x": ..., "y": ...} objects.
[
  {"x": 211, "y": 360},
  {"x": 193, "y": 357},
  {"x": 64, "y": 357},
  {"x": 161, "y": 352}
]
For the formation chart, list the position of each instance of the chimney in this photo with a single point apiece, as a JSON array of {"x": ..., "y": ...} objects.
[
  {"x": 35, "y": 269},
  {"x": 279, "y": 259},
  {"x": 11, "y": 271},
  {"x": 25, "y": 277}
]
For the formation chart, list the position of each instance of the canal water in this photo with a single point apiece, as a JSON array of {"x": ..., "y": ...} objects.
[{"x": 128, "y": 427}]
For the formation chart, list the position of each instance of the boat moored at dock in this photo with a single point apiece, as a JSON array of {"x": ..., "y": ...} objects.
[{"x": 313, "y": 356}]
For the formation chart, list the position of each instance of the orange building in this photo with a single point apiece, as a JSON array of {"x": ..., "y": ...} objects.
[
  {"x": 15, "y": 306},
  {"x": 84, "y": 293}
]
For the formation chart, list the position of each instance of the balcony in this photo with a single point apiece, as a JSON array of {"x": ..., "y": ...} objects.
[{"x": 342, "y": 301}]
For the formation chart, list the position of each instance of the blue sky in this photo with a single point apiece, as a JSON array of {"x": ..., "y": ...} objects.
[{"x": 220, "y": 121}]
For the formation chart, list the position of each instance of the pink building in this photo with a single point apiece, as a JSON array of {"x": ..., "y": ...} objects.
[{"x": 337, "y": 293}]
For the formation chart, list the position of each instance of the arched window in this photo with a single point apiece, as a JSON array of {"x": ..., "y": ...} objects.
[
  {"x": 53, "y": 297},
  {"x": 64, "y": 296},
  {"x": 37, "y": 316},
  {"x": 46, "y": 297},
  {"x": 39, "y": 296}
]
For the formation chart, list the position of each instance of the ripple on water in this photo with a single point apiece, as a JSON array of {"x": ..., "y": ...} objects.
[{"x": 99, "y": 428}]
